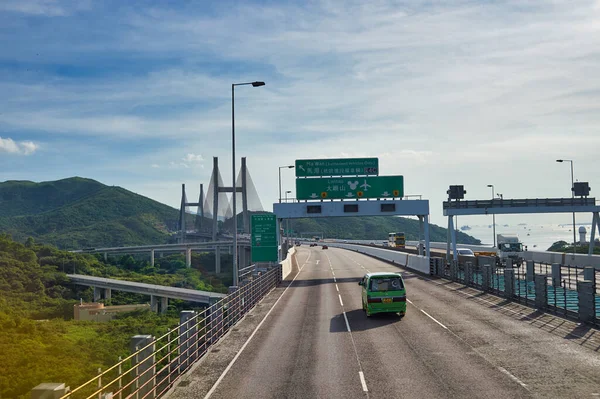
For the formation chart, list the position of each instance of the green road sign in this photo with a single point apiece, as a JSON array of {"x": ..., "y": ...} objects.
[
  {"x": 350, "y": 187},
  {"x": 337, "y": 167},
  {"x": 264, "y": 238}
]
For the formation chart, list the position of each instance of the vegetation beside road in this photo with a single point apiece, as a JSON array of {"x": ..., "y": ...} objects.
[{"x": 40, "y": 341}]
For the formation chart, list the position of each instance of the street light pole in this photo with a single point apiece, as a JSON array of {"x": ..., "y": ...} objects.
[
  {"x": 573, "y": 197},
  {"x": 493, "y": 215},
  {"x": 287, "y": 221},
  {"x": 234, "y": 186},
  {"x": 282, "y": 167}
]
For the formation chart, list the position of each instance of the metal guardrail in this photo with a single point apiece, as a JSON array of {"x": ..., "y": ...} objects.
[
  {"x": 157, "y": 363},
  {"x": 556, "y": 288},
  {"x": 525, "y": 202}
]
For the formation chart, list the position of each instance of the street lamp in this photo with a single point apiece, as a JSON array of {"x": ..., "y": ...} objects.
[
  {"x": 572, "y": 196},
  {"x": 493, "y": 215},
  {"x": 282, "y": 167},
  {"x": 287, "y": 221},
  {"x": 234, "y": 186}
]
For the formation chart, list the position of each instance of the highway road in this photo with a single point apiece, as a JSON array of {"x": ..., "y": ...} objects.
[{"x": 316, "y": 342}]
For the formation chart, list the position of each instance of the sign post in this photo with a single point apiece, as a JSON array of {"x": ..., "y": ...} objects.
[
  {"x": 350, "y": 187},
  {"x": 264, "y": 238},
  {"x": 337, "y": 167}
]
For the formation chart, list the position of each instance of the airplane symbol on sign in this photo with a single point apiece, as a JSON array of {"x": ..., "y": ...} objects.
[{"x": 365, "y": 186}]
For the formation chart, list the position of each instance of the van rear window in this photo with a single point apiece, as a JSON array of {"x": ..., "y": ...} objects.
[{"x": 386, "y": 284}]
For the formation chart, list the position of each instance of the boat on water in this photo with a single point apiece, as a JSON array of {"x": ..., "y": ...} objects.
[{"x": 465, "y": 228}]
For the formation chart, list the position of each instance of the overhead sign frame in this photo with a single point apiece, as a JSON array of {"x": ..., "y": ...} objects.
[
  {"x": 337, "y": 167},
  {"x": 350, "y": 188}
]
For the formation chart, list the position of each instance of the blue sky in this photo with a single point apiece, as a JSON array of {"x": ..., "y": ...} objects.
[{"x": 137, "y": 93}]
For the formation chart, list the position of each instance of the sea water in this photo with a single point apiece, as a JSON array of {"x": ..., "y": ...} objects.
[{"x": 534, "y": 236}]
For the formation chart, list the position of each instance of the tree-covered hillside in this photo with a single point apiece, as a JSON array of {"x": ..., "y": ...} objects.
[
  {"x": 75, "y": 213},
  {"x": 40, "y": 341},
  {"x": 372, "y": 228}
]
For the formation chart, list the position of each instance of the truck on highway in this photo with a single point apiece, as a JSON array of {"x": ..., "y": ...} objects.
[{"x": 509, "y": 247}]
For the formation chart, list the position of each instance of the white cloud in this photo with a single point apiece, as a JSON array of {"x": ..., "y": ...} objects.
[
  {"x": 20, "y": 148},
  {"x": 193, "y": 158},
  {"x": 466, "y": 92}
]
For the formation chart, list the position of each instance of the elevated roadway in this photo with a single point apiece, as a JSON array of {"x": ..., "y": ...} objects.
[
  {"x": 317, "y": 342},
  {"x": 152, "y": 290}
]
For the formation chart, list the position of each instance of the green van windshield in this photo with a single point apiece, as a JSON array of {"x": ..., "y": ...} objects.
[{"x": 386, "y": 284}]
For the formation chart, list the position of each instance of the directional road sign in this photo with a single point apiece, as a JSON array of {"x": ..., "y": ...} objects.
[
  {"x": 350, "y": 187},
  {"x": 337, "y": 167},
  {"x": 264, "y": 238}
]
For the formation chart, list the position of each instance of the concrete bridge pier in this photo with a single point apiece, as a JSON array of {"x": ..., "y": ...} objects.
[
  {"x": 152, "y": 257},
  {"x": 153, "y": 303},
  {"x": 106, "y": 256},
  {"x": 107, "y": 293},
  {"x": 217, "y": 260},
  {"x": 97, "y": 294},
  {"x": 164, "y": 304},
  {"x": 188, "y": 257}
]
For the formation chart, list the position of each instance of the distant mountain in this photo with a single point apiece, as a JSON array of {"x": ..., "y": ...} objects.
[
  {"x": 77, "y": 212},
  {"x": 366, "y": 228}
]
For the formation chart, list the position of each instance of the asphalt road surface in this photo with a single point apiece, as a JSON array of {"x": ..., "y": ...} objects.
[{"x": 316, "y": 342}]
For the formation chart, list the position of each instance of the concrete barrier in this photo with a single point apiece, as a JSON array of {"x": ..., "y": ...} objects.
[
  {"x": 412, "y": 262},
  {"x": 286, "y": 264}
]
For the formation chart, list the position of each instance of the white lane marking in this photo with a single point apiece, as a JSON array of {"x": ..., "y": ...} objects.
[
  {"x": 362, "y": 381},
  {"x": 431, "y": 317},
  {"x": 237, "y": 355},
  {"x": 318, "y": 260},
  {"x": 409, "y": 301},
  {"x": 334, "y": 280},
  {"x": 332, "y": 272},
  {"x": 341, "y": 303},
  {"x": 512, "y": 377},
  {"x": 336, "y": 288},
  {"x": 347, "y": 323}
]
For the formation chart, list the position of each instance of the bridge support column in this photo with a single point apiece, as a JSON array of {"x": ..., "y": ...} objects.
[
  {"x": 217, "y": 260},
  {"x": 188, "y": 257},
  {"x": 187, "y": 338},
  {"x": 214, "y": 328},
  {"x": 486, "y": 277},
  {"x": 152, "y": 257},
  {"x": 541, "y": 291},
  {"x": 530, "y": 271},
  {"x": 146, "y": 369},
  {"x": 107, "y": 293},
  {"x": 587, "y": 303},
  {"x": 97, "y": 294},
  {"x": 509, "y": 283},
  {"x": 421, "y": 234},
  {"x": 164, "y": 304},
  {"x": 106, "y": 256},
  {"x": 556, "y": 275},
  {"x": 153, "y": 303}
]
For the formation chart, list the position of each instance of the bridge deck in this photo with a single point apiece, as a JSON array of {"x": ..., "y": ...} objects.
[{"x": 146, "y": 289}]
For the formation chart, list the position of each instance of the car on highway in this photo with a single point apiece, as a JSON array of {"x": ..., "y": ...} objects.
[
  {"x": 324, "y": 247},
  {"x": 464, "y": 252},
  {"x": 383, "y": 292}
]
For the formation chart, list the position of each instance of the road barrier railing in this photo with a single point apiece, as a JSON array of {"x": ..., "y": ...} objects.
[{"x": 156, "y": 363}]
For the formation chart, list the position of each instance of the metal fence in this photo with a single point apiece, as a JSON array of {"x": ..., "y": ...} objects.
[
  {"x": 157, "y": 363},
  {"x": 565, "y": 290}
]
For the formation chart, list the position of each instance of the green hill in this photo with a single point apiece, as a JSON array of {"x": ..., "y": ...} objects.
[
  {"x": 77, "y": 212},
  {"x": 373, "y": 228},
  {"x": 367, "y": 228}
]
